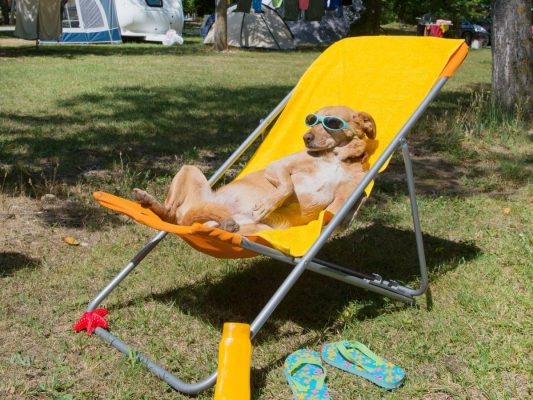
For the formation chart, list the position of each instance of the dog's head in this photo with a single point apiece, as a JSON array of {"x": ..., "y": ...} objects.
[{"x": 360, "y": 125}]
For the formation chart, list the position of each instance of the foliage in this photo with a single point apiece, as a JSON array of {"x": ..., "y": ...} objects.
[
  {"x": 408, "y": 10},
  {"x": 199, "y": 7}
]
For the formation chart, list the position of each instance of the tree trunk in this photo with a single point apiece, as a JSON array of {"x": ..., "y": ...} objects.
[
  {"x": 512, "y": 56},
  {"x": 6, "y": 6},
  {"x": 221, "y": 22},
  {"x": 369, "y": 24}
]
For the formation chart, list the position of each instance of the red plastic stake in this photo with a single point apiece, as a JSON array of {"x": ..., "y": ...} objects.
[{"x": 91, "y": 320}]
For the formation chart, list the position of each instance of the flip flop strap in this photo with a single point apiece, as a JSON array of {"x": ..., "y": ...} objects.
[
  {"x": 342, "y": 347},
  {"x": 300, "y": 364}
]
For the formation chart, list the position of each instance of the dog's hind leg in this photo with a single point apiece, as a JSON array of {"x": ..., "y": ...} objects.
[
  {"x": 189, "y": 187},
  {"x": 211, "y": 213},
  {"x": 149, "y": 201}
]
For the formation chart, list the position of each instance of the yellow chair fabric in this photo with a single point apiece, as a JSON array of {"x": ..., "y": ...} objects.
[{"x": 385, "y": 76}]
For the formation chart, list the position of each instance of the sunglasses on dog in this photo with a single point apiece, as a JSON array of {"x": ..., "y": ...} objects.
[{"x": 331, "y": 123}]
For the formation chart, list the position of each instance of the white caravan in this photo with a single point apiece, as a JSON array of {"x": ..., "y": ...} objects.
[{"x": 149, "y": 19}]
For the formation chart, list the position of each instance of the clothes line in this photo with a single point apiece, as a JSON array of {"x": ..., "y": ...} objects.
[{"x": 294, "y": 10}]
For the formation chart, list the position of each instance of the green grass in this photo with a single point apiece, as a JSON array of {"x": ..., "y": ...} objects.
[{"x": 75, "y": 119}]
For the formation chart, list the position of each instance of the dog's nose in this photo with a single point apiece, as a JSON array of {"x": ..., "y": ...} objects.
[{"x": 308, "y": 137}]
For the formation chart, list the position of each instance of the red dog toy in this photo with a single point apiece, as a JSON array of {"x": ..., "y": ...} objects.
[{"x": 92, "y": 320}]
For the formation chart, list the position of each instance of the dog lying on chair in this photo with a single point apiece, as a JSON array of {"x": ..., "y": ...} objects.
[{"x": 288, "y": 192}]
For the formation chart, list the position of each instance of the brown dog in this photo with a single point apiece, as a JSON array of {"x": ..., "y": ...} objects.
[{"x": 288, "y": 192}]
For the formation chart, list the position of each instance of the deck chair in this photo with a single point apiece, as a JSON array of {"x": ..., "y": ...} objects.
[{"x": 392, "y": 78}]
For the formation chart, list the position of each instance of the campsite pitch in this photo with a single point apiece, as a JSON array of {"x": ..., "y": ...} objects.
[{"x": 114, "y": 117}]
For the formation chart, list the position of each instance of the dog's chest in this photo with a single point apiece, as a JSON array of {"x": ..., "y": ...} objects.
[{"x": 318, "y": 185}]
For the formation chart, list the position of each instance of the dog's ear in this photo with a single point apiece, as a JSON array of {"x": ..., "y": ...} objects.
[{"x": 366, "y": 123}]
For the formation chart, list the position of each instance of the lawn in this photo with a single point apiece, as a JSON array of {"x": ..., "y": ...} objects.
[{"x": 74, "y": 119}]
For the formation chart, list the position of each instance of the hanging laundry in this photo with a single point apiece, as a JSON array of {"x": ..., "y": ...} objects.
[
  {"x": 444, "y": 24},
  {"x": 435, "y": 30},
  {"x": 291, "y": 10},
  {"x": 315, "y": 10},
  {"x": 38, "y": 19},
  {"x": 303, "y": 4},
  {"x": 256, "y": 4},
  {"x": 49, "y": 19},
  {"x": 26, "y": 27},
  {"x": 333, "y": 4},
  {"x": 244, "y": 6}
]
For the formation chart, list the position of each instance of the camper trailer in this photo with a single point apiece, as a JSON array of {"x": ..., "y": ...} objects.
[
  {"x": 98, "y": 21},
  {"x": 149, "y": 19}
]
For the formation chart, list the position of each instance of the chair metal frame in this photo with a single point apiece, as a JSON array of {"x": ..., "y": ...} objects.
[{"x": 373, "y": 282}]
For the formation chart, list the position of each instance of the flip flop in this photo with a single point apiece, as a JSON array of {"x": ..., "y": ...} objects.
[
  {"x": 306, "y": 375},
  {"x": 357, "y": 359}
]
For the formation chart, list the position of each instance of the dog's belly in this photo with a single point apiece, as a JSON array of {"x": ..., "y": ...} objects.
[
  {"x": 242, "y": 195},
  {"x": 313, "y": 192},
  {"x": 317, "y": 190}
]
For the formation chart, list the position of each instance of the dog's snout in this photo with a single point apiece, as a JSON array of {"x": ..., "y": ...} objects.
[{"x": 308, "y": 137}]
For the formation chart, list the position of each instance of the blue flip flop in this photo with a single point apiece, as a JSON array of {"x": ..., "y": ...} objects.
[
  {"x": 357, "y": 359},
  {"x": 306, "y": 375}
]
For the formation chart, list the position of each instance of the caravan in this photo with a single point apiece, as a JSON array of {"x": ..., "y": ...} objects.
[
  {"x": 149, "y": 19},
  {"x": 97, "y": 21}
]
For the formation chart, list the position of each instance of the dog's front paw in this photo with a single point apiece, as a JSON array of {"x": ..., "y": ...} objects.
[
  {"x": 142, "y": 197},
  {"x": 229, "y": 225},
  {"x": 263, "y": 209}
]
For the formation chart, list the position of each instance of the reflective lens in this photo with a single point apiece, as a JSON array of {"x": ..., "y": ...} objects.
[
  {"x": 330, "y": 122},
  {"x": 333, "y": 123},
  {"x": 311, "y": 120}
]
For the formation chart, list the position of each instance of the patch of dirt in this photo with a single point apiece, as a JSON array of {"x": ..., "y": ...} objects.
[
  {"x": 517, "y": 384},
  {"x": 31, "y": 228},
  {"x": 438, "y": 396},
  {"x": 432, "y": 174},
  {"x": 14, "y": 42}
]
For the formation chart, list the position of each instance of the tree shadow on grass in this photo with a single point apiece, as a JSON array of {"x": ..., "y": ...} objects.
[
  {"x": 442, "y": 163},
  {"x": 130, "y": 127},
  {"x": 191, "y": 47},
  {"x": 315, "y": 301},
  {"x": 74, "y": 214},
  {"x": 10, "y": 262}
]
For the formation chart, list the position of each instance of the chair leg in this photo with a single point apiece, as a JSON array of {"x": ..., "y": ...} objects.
[
  {"x": 277, "y": 297},
  {"x": 424, "y": 280},
  {"x": 177, "y": 384},
  {"x": 126, "y": 270},
  {"x": 173, "y": 381},
  {"x": 161, "y": 373}
]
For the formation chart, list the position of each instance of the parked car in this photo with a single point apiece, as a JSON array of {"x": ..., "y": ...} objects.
[
  {"x": 471, "y": 32},
  {"x": 468, "y": 31}
]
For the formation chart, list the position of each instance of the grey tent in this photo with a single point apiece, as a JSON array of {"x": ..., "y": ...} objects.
[
  {"x": 329, "y": 29},
  {"x": 263, "y": 30}
]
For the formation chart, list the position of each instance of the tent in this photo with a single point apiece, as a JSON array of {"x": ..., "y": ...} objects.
[
  {"x": 90, "y": 21},
  {"x": 68, "y": 21},
  {"x": 329, "y": 29},
  {"x": 263, "y": 30}
]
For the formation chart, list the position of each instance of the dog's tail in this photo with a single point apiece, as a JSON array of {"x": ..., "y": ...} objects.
[{"x": 205, "y": 212}]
